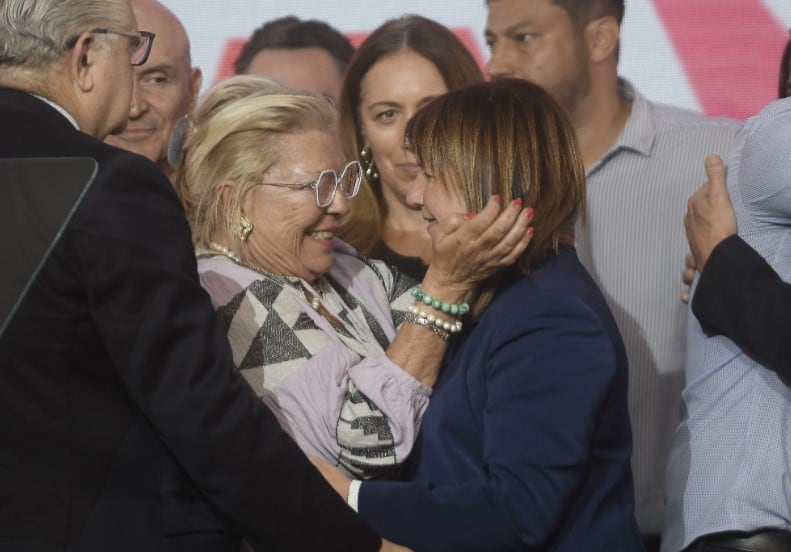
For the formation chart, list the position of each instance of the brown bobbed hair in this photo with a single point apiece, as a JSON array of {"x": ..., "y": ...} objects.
[
  {"x": 506, "y": 137},
  {"x": 362, "y": 228}
]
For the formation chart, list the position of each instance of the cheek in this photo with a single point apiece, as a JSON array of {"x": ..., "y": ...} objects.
[
  {"x": 384, "y": 140},
  {"x": 288, "y": 219},
  {"x": 166, "y": 103}
]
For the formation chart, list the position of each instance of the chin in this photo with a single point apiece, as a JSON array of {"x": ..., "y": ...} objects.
[{"x": 320, "y": 267}]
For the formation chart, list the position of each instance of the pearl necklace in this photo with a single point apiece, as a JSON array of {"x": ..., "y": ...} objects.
[{"x": 315, "y": 300}]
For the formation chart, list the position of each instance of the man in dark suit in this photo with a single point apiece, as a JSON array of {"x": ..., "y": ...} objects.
[{"x": 123, "y": 425}]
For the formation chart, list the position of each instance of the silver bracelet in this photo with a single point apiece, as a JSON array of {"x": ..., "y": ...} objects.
[
  {"x": 415, "y": 319},
  {"x": 449, "y": 326}
]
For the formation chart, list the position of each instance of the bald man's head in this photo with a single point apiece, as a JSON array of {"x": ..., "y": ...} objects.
[{"x": 165, "y": 87}]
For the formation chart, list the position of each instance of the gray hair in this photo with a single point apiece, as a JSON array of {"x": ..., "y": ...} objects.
[
  {"x": 235, "y": 134},
  {"x": 33, "y": 33}
]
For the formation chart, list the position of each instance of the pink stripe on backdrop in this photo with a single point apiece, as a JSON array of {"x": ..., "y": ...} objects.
[{"x": 730, "y": 51}]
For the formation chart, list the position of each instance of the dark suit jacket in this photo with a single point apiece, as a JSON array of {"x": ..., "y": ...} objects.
[
  {"x": 740, "y": 296},
  {"x": 526, "y": 442},
  {"x": 123, "y": 424}
]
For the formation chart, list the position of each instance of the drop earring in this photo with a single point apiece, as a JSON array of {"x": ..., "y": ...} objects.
[{"x": 368, "y": 164}]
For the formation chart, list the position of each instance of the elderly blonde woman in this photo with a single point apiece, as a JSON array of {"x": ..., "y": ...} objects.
[{"x": 315, "y": 328}]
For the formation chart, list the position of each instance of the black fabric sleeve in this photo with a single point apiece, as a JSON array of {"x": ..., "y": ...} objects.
[{"x": 740, "y": 296}]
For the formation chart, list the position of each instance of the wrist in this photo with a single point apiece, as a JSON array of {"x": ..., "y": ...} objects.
[
  {"x": 425, "y": 301},
  {"x": 353, "y": 494},
  {"x": 443, "y": 289}
]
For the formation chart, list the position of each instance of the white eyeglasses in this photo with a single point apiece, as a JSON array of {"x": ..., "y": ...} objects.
[{"x": 328, "y": 182}]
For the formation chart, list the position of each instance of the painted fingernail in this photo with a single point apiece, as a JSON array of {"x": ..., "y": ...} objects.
[
  {"x": 529, "y": 212},
  {"x": 469, "y": 216},
  {"x": 518, "y": 201},
  {"x": 530, "y": 231},
  {"x": 496, "y": 197}
]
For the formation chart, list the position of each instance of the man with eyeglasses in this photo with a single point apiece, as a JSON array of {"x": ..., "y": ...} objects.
[
  {"x": 165, "y": 88},
  {"x": 123, "y": 425}
]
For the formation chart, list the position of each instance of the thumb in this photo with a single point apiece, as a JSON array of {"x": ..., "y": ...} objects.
[{"x": 715, "y": 172}]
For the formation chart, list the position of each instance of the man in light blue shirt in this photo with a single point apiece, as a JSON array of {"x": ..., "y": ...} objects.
[{"x": 728, "y": 479}]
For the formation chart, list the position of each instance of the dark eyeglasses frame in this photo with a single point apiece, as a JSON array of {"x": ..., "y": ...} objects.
[
  {"x": 315, "y": 184},
  {"x": 144, "y": 38}
]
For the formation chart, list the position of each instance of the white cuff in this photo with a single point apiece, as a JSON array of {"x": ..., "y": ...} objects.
[{"x": 354, "y": 493}]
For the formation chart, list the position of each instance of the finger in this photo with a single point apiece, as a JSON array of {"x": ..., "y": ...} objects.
[
  {"x": 486, "y": 217},
  {"x": 514, "y": 243},
  {"x": 687, "y": 275},
  {"x": 685, "y": 296},
  {"x": 715, "y": 171},
  {"x": 509, "y": 220},
  {"x": 689, "y": 262},
  {"x": 518, "y": 249},
  {"x": 446, "y": 227}
]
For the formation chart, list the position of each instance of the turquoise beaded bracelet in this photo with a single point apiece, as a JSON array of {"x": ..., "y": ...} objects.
[{"x": 448, "y": 308}]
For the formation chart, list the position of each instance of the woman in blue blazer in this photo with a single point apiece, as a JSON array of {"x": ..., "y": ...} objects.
[{"x": 526, "y": 443}]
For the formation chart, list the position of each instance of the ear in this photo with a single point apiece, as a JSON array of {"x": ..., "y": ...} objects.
[
  {"x": 81, "y": 61},
  {"x": 196, "y": 80},
  {"x": 602, "y": 36},
  {"x": 225, "y": 190}
]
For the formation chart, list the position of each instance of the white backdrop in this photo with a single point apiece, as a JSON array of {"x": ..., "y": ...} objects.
[{"x": 716, "y": 56}]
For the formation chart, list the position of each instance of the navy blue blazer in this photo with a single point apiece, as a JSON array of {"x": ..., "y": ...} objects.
[
  {"x": 526, "y": 443},
  {"x": 124, "y": 425}
]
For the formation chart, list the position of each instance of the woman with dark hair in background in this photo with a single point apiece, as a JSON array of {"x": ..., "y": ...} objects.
[{"x": 398, "y": 68}]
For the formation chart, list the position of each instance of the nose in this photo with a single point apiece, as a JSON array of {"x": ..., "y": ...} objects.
[
  {"x": 139, "y": 101},
  {"x": 339, "y": 205},
  {"x": 499, "y": 64},
  {"x": 414, "y": 197}
]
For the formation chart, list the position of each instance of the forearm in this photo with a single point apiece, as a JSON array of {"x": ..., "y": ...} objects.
[{"x": 418, "y": 349}]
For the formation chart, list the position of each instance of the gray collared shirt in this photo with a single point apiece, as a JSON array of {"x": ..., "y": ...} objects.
[{"x": 633, "y": 244}]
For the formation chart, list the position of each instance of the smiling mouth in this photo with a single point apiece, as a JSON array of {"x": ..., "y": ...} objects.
[{"x": 323, "y": 235}]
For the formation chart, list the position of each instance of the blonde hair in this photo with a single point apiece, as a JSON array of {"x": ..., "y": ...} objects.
[
  {"x": 522, "y": 146},
  {"x": 234, "y": 135}
]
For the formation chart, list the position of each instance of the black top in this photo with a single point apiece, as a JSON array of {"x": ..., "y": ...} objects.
[{"x": 411, "y": 266}]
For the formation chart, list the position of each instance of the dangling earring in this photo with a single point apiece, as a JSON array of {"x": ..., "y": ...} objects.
[
  {"x": 368, "y": 164},
  {"x": 244, "y": 229}
]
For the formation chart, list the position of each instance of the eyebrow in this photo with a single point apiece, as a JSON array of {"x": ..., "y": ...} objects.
[
  {"x": 161, "y": 67},
  {"x": 511, "y": 29},
  {"x": 385, "y": 103}
]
